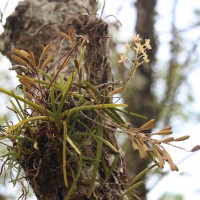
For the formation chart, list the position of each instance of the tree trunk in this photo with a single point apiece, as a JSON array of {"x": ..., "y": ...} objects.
[
  {"x": 140, "y": 97},
  {"x": 33, "y": 24}
]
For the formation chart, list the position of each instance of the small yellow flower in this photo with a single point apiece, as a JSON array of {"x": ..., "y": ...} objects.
[
  {"x": 147, "y": 43},
  {"x": 145, "y": 58},
  {"x": 122, "y": 58},
  {"x": 136, "y": 38},
  {"x": 142, "y": 50},
  {"x": 138, "y": 47}
]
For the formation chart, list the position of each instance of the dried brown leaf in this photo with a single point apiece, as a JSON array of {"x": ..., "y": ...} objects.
[
  {"x": 29, "y": 96},
  {"x": 142, "y": 148},
  {"x": 47, "y": 61},
  {"x": 65, "y": 35},
  {"x": 134, "y": 145},
  {"x": 182, "y": 138},
  {"x": 149, "y": 125},
  {"x": 19, "y": 60},
  {"x": 44, "y": 51},
  {"x": 167, "y": 128},
  {"x": 21, "y": 53},
  {"x": 25, "y": 83},
  {"x": 92, "y": 94},
  {"x": 32, "y": 59},
  {"x": 168, "y": 139},
  {"x": 196, "y": 148},
  {"x": 66, "y": 61},
  {"x": 158, "y": 155},
  {"x": 162, "y": 132},
  {"x": 28, "y": 82},
  {"x": 168, "y": 158},
  {"x": 72, "y": 35},
  {"x": 158, "y": 149},
  {"x": 116, "y": 91},
  {"x": 85, "y": 41}
]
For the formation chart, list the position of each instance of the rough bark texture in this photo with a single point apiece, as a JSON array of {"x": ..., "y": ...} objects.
[
  {"x": 33, "y": 24},
  {"x": 140, "y": 97}
]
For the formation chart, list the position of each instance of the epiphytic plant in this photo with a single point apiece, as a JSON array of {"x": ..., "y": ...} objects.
[{"x": 60, "y": 119}]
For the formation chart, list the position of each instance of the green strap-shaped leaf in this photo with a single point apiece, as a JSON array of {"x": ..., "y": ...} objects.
[
  {"x": 66, "y": 138},
  {"x": 75, "y": 118},
  {"x": 43, "y": 118},
  {"x": 99, "y": 149},
  {"x": 64, "y": 153},
  {"x": 66, "y": 90},
  {"x": 78, "y": 173},
  {"x": 115, "y": 161},
  {"x": 130, "y": 113},
  {"x": 106, "y": 142},
  {"x": 65, "y": 93},
  {"x": 18, "y": 114},
  {"x": 30, "y": 103},
  {"x": 70, "y": 112},
  {"x": 53, "y": 103},
  {"x": 114, "y": 116},
  {"x": 141, "y": 174},
  {"x": 73, "y": 145},
  {"x": 99, "y": 96},
  {"x": 132, "y": 188}
]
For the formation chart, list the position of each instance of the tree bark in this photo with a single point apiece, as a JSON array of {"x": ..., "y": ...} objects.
[{"x": 33, "y": 24}]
